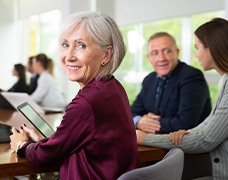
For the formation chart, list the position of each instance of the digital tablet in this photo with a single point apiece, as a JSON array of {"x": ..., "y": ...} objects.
[{"x": 38, "y": 122}]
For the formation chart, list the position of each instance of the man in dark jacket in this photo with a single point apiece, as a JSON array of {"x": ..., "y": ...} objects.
[{"x": 175, "y": 96}]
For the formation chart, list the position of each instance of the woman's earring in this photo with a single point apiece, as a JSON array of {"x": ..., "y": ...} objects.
[{"x": 103, "y": 63}]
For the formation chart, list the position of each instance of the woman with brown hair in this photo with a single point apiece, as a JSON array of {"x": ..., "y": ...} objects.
[
  {"x": 20, "y": 85},
  {"x": 48, "y": 92}
]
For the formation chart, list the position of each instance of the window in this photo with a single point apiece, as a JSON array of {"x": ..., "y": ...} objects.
[
  {"x": 43, "y": 38},
  {"x": 44, "y": 33}
]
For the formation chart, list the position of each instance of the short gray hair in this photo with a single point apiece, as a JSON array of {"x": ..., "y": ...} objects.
[
  {"x": 104, "y": 31},
  {"x": 163, "y": 34}
]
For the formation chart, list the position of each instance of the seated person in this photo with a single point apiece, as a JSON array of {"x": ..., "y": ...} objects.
[
  {"x": 96, "y": 138},
  {"x": 48, "y": 92},
  {"x": 20, "y": 85},
  {"x": 212, "y": 134},
  {"x": 184, "y": 100},
  {"x": 33, "y": 80}
]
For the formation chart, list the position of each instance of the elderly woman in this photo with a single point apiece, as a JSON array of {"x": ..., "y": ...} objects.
[{"x": 96, "y": 138}]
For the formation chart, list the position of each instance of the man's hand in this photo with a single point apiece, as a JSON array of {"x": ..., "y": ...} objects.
[
  {"x": 176, "y": 137},
  {"x": 149, "y": 123}
]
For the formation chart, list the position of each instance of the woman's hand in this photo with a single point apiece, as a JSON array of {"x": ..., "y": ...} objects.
[
  {"x": 140, "y": 137},
  {"x": 18, "y": 138},
  {"x": 176, "y": 137},
  {"x": 31, "y": 134}
]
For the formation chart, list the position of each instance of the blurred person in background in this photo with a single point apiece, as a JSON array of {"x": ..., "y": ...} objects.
[
  {"x": 34, "y": 76},
  {"x": 48, "y": 92},
  {"x": 20, "y": 72}
]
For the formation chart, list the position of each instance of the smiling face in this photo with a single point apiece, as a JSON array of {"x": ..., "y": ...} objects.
[
  {"x": 81, "y": 57},
  {"x": 163, "y": 55},
  {"x": 203, "y": 54}
]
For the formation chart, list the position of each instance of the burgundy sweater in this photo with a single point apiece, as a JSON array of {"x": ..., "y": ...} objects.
[{"x": 96, "y": 138}]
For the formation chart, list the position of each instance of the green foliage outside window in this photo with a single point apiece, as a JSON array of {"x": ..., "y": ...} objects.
[
  {"x": 131, "y": 90},
  {"x": 128, "y": 63},
  {"x": 213, "y": 92}
]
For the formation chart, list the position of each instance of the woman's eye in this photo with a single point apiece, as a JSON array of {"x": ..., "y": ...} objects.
[
  {"x": 82, "y": 46},
  {"x": 65, "y": 45}
]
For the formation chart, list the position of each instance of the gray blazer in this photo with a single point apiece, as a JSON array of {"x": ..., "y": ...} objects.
[{"x": 209, "y": 136}]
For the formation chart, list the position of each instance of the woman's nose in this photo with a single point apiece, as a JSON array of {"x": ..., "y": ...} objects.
[{"x": 71, "y": 54}]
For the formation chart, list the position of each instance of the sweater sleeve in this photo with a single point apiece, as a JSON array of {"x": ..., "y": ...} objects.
[{"x": 75, "y": 131}]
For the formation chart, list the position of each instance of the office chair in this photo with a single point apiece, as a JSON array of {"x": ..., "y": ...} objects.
[
  {"x": 197, "y": 167},
  {"x": 169, "y": 168}
]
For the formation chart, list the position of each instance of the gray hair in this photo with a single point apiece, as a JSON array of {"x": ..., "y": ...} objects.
[
  {"x": 163, "y": 34},
  {"x": 104, "y": 31}
]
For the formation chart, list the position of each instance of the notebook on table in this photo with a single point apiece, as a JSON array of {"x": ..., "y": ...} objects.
[{"x": 38, "y": 122}]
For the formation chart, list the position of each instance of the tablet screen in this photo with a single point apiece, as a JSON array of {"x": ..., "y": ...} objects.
[{"x": 40, "y": 124}]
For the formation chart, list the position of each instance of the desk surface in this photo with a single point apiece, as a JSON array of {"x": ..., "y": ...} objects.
[{"x": 11, "y": 165}]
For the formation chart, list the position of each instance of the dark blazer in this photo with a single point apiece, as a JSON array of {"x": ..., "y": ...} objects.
[
  {"x": 185, "y": 102},
  {"x": 19, "y": 86}
]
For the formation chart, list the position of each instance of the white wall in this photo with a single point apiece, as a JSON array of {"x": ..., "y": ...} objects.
[
  {"x": 27, "y": 8},
  {"x": 135, "y": 11},
  {"x": 226, "y": 8},
  {"x": 8, "y": 43},
  {"x": 12, "y": 49}
]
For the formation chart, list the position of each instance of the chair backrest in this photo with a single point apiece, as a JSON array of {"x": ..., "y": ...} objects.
[{"x": 169, "y": 168}]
